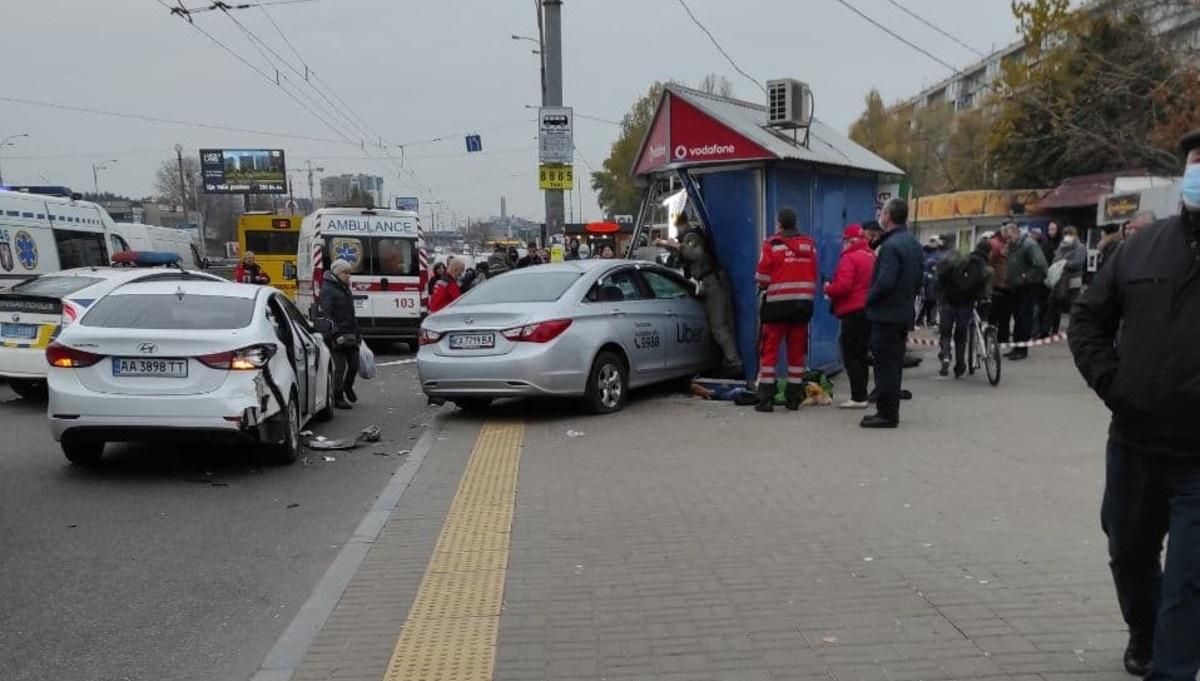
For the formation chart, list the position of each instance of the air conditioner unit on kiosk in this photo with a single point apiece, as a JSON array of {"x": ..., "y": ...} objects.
[{"x": 789, "y": 104}]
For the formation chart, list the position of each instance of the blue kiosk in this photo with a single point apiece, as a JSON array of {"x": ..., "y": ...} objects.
[{"x": 738, "y": 168}]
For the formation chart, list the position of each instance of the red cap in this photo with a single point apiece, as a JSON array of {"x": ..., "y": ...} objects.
[{"x": 853, "y": 231}]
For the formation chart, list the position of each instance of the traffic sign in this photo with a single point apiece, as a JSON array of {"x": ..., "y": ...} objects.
[
  {"x": 556, "y": 134},
  {"x": 474, "y": 143},
  {"x": 556, "y": 176}
]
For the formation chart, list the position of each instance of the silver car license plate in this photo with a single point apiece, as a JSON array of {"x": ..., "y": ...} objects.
[
  {"x": 472, "y": 341},
  {"x": 154, "y": 368}
]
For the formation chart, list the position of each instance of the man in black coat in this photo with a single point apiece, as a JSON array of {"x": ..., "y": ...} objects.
[
  {"x": 1135, "y": 335},
  {"x": 894, "y": 285},
  {"x": 337, "y": 305}
]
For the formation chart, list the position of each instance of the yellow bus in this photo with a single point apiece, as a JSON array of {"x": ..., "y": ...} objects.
[{"x": 273, "y": 239}]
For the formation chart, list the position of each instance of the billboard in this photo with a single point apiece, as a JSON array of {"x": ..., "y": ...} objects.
[
  {"x": 410, "y": 203},
  {"x": 243, "y": 171}
]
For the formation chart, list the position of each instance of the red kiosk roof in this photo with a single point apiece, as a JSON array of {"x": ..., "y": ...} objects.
[{"x": 696, "y": 128}]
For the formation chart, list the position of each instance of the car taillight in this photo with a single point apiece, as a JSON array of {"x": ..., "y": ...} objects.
[
  {"x": 428, "y": 337},
  {"x": 64, "y": 357},
  {"x": 543, "y": 332},
  {"x": 250, "y": 358},
  {"x": 70, "y": 313}
]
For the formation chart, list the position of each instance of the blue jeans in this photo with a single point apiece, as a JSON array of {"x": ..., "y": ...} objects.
[{"x": 1145, "y": 499}]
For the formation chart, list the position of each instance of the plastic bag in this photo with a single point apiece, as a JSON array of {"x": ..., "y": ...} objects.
[{"x": 366, "y": 362}]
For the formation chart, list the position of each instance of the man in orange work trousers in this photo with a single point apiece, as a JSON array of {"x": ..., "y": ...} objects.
[{"x": 787, "y": 276}]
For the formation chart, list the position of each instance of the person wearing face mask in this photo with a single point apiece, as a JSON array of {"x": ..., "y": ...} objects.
[
  {"x": 848, "y": 293},
  {"x": 1135, "y": 335},
  {"x": 1026, "y": 272},
  {"x": 1073, "y": 256}
]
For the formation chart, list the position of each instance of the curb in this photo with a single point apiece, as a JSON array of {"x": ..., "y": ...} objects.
[{"x": 291, "y": 648}]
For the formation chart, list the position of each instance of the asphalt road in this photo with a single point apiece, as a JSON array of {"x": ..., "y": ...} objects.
[{"x": 177, "y": 563}]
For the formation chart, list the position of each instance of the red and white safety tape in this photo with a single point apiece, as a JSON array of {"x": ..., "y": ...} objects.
[{"x": 1049, "y": 340}]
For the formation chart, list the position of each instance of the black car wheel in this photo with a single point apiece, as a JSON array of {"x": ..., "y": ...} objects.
[
  {"x": 608, "y": 384},
  {"x": 289, "y": 450},
  {"x": 34, "y": 391},
  {"x": 83, "y": 453}
]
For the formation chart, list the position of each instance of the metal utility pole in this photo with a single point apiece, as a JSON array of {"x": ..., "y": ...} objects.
[
  {"x": 312, "y": 170},
  {"x": 8, "y": 142},
  {"x": 182, "y": 182},
  {"x": 551, "y": 19},
  {"x": 96, "y": 168}
]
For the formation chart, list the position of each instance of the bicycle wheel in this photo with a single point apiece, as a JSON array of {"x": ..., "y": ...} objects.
[
  {"x": 991, "y": 356},
  {"x": 973, "y": 349}
]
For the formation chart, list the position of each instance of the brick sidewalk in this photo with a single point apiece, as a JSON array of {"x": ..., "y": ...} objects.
[{"x": 677, "y": 541}]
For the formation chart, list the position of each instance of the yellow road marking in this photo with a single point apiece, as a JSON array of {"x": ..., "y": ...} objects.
[{"x": 450, "y": 633}]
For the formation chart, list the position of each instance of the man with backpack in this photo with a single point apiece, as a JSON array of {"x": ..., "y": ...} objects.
[{"x": 963, "y": 282}]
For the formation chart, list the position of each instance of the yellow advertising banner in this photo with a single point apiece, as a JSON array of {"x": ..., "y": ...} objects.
[
  {"x": 984, "y": 203},
  {"x": 556, "y": 176}
]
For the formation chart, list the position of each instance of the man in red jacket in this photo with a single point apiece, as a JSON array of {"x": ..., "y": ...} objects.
[
  {"x": 447, "y": 290},
  {"x": 787, "y": 275},
  {"x": 848, "y": 292}
]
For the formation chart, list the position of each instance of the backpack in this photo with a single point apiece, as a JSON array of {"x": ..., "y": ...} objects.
[{"x": 1055, "y": 273}]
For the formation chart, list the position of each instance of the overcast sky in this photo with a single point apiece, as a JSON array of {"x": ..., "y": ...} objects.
[{"x": 414, "y": 71}]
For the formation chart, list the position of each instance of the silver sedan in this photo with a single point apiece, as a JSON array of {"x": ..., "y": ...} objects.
[{"x": 593, "y": 329}]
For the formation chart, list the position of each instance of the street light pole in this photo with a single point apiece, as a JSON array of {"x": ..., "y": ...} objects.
[
  {"x": 8, "y": 142},
  {"x": 550, "y": 21},
  {"x": 96, "y": 175}
]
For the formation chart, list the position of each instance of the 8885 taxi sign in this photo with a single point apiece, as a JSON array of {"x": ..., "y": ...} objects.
[{"x": 556, "y": 176}]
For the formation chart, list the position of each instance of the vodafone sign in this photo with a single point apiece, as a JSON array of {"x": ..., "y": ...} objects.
[{"x": 692, "y": 136}]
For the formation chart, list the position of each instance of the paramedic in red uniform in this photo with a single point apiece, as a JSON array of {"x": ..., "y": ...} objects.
[
  {"x": 446, "y": 289},
  {"x": 787, "y": 275}
]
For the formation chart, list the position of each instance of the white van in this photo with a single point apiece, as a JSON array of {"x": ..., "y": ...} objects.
[
  {"x": 386, "y": 248},
  {"x": 44, "y": 230},
  {"x": 134, "y": 236}
]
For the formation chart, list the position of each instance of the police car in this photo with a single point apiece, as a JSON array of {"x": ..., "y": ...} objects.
[{"x": 34, "y": 312}]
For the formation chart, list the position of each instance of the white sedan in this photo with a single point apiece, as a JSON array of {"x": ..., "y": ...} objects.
[{"x": 186, "y": 360}]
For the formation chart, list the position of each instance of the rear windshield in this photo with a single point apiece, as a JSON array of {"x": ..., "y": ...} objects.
[
  {"x": 168, "y": 311},
  {"x": 265, "y": 242},
  {"x": 539, "y": 287},
  {"x": 54, "y": 287}
]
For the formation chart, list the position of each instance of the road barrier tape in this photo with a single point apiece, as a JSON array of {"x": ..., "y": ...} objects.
[{"x": 1049, "y": 340}]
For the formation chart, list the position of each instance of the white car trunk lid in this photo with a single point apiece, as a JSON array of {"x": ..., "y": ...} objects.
[{"x": 173, "y": 353}]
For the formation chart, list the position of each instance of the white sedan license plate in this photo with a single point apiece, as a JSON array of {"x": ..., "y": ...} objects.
[
  {"x": 156, "y": 368},
  {"x": 472, "y": 341}
]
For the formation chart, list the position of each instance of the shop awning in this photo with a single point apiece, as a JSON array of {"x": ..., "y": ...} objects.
[{"x": 1078, "y": 192}]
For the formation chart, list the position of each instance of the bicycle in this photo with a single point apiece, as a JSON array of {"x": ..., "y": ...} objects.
[{"x": 983, "y": 348}]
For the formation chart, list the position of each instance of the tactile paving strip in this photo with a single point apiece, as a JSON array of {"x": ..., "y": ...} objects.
[{"x": 450, "y": 633}]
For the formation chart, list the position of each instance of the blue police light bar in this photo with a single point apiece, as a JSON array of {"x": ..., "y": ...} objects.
[{"x": 47, "y": 190}]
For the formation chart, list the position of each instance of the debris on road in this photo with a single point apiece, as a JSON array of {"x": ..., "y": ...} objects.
[
  {"x": 831, "y": 640},
  {"x": 330, "y": 459},
  {"x": 575, "y": 433},
  {"x": 293, "y": 505},
  {"x": 368, "y": 435}
]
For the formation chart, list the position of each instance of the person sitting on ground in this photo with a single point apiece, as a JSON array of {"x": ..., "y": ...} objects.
[
  {"x": 248, "y": 271},
  {"x": 447, "y": 289},
  {"x": 963, "y": 282}
]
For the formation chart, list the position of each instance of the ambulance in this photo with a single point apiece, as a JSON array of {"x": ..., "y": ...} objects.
[
  {"x": 389, "y": 267},
  {"x": 47, "y": 229}
]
